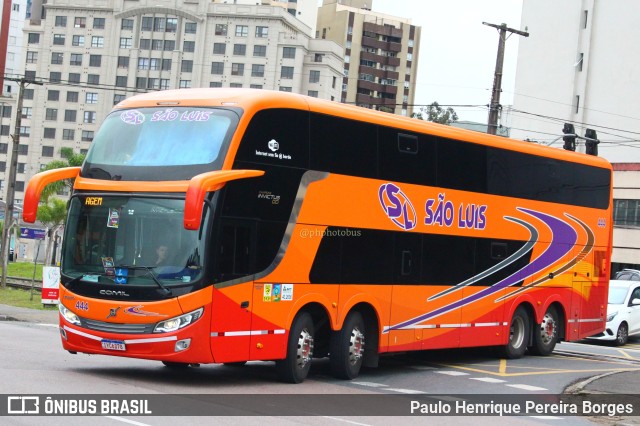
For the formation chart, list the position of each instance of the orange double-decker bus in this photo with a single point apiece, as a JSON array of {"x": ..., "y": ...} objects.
[{"x": 224, "y": 226}]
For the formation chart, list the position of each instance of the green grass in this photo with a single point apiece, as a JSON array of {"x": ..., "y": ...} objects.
[
  {"x": 22, "y": 298},
  {"x": 24, "y": 270}
]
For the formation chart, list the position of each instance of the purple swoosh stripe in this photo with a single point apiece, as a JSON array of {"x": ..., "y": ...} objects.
[{"x": 563, "y": 239}]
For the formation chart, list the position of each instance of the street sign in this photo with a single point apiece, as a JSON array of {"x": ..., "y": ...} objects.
[{"x": 33, "y": 234}]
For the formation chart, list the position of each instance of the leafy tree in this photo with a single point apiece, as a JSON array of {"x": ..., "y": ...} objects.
[
  {"x": 52, "y": 215},
  {"x": 437, "y": 114},
  {"x": 53, "y": 211},
  {"x": 70, "y": 159}
]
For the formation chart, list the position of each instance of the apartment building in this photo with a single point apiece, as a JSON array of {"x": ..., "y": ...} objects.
[
  {"x": 304, "y": 10},
  {"x": 381, "y": 54},
  {"x": 626, "y": 216},
  {"x": 91, "y": 55}
]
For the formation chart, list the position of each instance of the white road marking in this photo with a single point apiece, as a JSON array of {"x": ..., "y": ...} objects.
[
  {"x": 122, "y": 419},
  {"x": 410, "y": 391},
  {"x": 370, "y": 384},
  {"x": 453, "y": 373},
  {"x": 346, "y": 421},
  {"x": 528, "y": 387},
  {"x": 488, "y": 380}
]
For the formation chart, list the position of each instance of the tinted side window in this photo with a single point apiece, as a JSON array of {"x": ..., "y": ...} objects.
[
  {"x": 267, "y": 197},
  {"x": 519, "y": 175},
  {"x": 462, "y": 165},
  {"x": 278, "y": 137},
  {"x": 447, "y": 260},
  {"x": 343, "y": 146},
  {"x": 406, "y": 157}
]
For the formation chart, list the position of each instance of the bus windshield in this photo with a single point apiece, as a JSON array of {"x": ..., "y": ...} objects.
[
  {"x": 130, "y": 240},
  {"x": 133, "y": 144}
]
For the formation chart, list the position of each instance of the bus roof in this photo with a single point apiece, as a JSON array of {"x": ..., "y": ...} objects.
[{"x": 253, "y": 100}]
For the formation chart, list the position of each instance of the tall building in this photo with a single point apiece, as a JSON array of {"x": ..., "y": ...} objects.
[
  {"x": 14, "y": 13},
  {"x": 91, "y": 55},
  {"x": 304, "y": 10},
  {"x": 381, "y": 54},
  {"x": 626, "y": 217},
  {"x": 577, "y": 66}
]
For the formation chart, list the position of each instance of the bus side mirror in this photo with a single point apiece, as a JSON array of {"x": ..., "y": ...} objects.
[
  {"x": 36, "y": 185},
  {"x": 207, "y": 182}
]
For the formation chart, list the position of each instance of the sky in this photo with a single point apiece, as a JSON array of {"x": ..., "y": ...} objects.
[{"x": 458, "y": 53}]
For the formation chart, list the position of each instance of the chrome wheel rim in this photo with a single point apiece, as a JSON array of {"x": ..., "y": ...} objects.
[
  {"x": 305, "y": 348},
  {"x": 356, "y": 346},
  {"x": 516, "y": 332},
  {"x": 548, "y": 329}
]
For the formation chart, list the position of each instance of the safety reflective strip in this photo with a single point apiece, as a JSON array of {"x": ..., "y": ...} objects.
[
  {"x": 587, "y": 320},
  {"x": 245, "y": 333},
  {"x": 82, "y": 333},
  {"x": 151, "y": 340},
  {"x": 488, "y": 324},
  {"x": 128, "y": 342},
  {"x": 466, "y": 325}
]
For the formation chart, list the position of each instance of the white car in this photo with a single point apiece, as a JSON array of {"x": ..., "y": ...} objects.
[{"x": 623, "y": 312}]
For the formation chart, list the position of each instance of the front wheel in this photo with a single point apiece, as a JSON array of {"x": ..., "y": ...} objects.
[
  {"x": 545, "y": 334},
  {"x": 295, "y": 367},
  {"x": 518, "y": 335},
  {"x": 622, "y": 335},
  {"x": 347, "y": 348}
]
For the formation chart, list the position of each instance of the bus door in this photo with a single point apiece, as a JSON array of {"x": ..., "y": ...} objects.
[
  {"x": 424, "y": 269},
  {"x": 231, "y": 311}
]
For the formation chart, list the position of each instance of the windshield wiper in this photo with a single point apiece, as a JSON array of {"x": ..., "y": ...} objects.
[
  {"x": 149, "y": 270},
  {"x": 69, "y": 284}
]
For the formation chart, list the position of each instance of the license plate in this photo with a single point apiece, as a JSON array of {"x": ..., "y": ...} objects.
[{"x": 113, "y": 345}]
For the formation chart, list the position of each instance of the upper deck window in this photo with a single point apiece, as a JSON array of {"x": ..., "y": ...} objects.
[{"x": 161, "y": 137}]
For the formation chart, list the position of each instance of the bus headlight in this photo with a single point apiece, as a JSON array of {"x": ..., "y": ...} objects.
[
  {"x": 177, "y": 323},
  {"x": 610, "y": 317},
  {"x": 68, "y": 315}
]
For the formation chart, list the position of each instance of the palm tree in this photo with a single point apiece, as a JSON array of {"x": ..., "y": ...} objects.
[{"x": 52, "y": 211}]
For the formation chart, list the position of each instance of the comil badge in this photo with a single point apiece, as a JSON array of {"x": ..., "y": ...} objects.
[{"x": 397, "y": 207}]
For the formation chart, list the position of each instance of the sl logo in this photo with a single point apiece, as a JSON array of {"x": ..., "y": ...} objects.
[{"x": 397, "y": 207}]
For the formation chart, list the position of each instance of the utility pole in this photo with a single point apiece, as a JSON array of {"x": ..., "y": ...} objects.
[
  {"x": 11, "y": 180},
  {"x": 494, "y": 108}
]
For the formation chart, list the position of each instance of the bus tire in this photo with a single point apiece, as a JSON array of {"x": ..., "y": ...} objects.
[
  {"x": 347, "y": 348},
  {"x": 295, "y": 367},
  {"x": 518, "y": 335},
  {"x": 545, "y": 334}
]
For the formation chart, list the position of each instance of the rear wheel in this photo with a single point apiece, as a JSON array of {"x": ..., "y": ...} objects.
[
  {"x": 295, "y": 367},
  {"x": 545, "y": 334},
  {"x": 347, "y": 348},
  {"x": 518, "y": 335},
  {"x": 622, "y": 335}
]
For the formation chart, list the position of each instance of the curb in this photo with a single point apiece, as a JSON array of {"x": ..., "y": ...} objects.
[{"x": 579, "y": 388}]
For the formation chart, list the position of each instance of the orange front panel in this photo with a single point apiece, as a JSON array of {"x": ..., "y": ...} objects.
[{"x": 231, "y": 322}]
